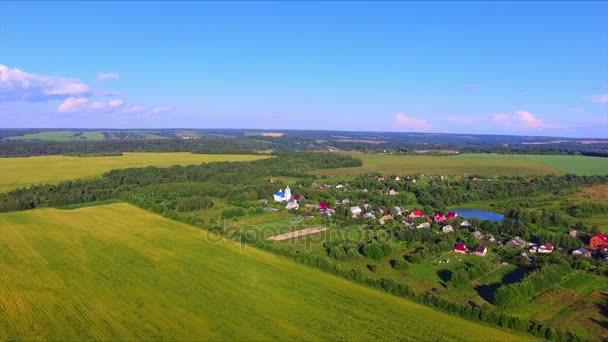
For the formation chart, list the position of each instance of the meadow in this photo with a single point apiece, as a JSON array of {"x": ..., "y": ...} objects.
[
  {"x": 26, "y": 171},
  {"x": 68, "y": 135},
  {"x": 116, "y": 272},
  {"x": 464, "y": 165}
]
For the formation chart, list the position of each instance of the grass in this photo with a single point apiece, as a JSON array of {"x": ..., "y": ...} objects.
[
  {"x": 577, "y": 302},
  {"x": 461, "y": 165},
  {"x": 473, "y": 164},
  {"x": 579, "y": 165},
  {"x": 23, "y": 172},
  {"x": 62, "y": 136},
  {"x": 116, "y": 272}
]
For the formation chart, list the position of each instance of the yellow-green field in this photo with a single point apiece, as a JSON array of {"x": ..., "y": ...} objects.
[
  {"x": 22, "y": 172},
  {"x": 116, "y": 272},
  {"x": 461, "y": 165}
]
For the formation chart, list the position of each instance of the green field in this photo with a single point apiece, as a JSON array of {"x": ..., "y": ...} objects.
[
  {"x": 462, "y": 165},
  {"x": 116, "y": 272},
  {"x": 579, "y": 165},
  {"x": 473, "y": 164},
  {"x": 62, "y": 136},
  {"x": 22, "y": 172}
]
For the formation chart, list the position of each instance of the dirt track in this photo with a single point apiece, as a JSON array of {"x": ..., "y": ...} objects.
[{"x": 297, "y": 233}]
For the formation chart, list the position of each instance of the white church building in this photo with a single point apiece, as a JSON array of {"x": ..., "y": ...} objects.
[{"x": 281, "y": 196}]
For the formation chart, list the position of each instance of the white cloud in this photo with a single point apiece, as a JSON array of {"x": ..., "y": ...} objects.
[
  {"x": 18, "y": 85},
  {"x": 73, "y": 104},
  {"x": 109, "y": 93},
  {"x": 107, "y": 76},
  {"x": 412, "y": 124},
  {"x": 522, "y": 120},
  {"x": 602, "y": 98},
  {"x": 133, "y": 109},
  {"x": 163, "y": 109},
  {"x": 81, "y": 104}
]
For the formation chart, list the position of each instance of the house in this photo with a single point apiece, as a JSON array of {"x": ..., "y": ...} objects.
[
  {"x": 416, "y": 214},
  {"x": 439, "y": 218},
  {"x": 380, "y": 178},
  {"x": 460, "y": 248},
  {"x": 478, "y": 235},
  {"x": 397, "y": 178},
  {"x": 355, "y": 211},
  {"x": 466, "y": 224},
  {"x": 370, "y": 215},
  {"x": 547, "y": 248},
  {"x": 365, "y": 191},
  {"x": 323, "y": 206},
  {"x": 407, "y": 223},
  {"x": 516, "y": 242},
  {"x": 329, "y": 212},
  {"x": 414, "y": 180},
  {"x": 424, "y": 225},
  {"x": 345, "y": 201},
  {"x": 393, "y": 192},
  {"x": 398, "y": 210},
  {"x": 582, "y": 252},
  {"x": 298, "y": 197},
  {"x": 340, "y": 186},
  {"x": 366, "y": 205},
  {"x": 281, "y": 196},
  {"x": 599, "y": 241},
  {"x": 447, "y": 229},
  {"x": 387, "y": 218},
  {"x": 309, "y": 215},
  {"x": 481, "y": 250},
  {"x": 574, "y": 232},
  {"x": 452, "y": 216},
  {"x": 491, "y": 239},
  {"x": 293, "y": 204}
]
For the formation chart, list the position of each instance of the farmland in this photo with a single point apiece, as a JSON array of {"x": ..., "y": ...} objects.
[
  {"x": 443, "y": 165},
  {"x": 474, "y": 164},
  {"x": 116, "y": 272},
  {"x": 22, "y": 172}
]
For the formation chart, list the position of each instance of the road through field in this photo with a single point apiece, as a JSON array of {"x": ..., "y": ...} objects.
[{"x": 116, "y": 272}]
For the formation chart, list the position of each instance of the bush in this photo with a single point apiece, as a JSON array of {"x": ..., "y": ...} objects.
[
  {"x": 401, "y": 265},
  {"x": 373, "y": 251}
]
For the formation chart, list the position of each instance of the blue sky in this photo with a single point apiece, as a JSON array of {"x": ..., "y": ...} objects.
[{"x": 471, "y": 67}]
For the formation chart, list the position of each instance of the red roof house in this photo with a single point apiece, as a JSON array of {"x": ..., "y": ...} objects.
[
  {"x": 323, "y": 205},
  {"x": 600, "y": 241},
  {"x": 452, "y": 216},
  {"x": 297, "y": 197},
  {"x": 439, "y": 217},
  {"x": 546, "y": 248},
  {"x": 460, "y": 248},
  {"x": 417, "y": 213}
]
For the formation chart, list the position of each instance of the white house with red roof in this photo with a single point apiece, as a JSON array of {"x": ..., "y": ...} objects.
[
  {"x": 460, "y": 248},
  {"x": 439, "y": 218},
  {"x": 416, "y": 214}
]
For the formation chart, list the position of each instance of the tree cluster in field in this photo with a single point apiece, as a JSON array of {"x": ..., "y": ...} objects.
[
  {"x": 464, "y": 275},
  {"x": 241, "y": 180},
  {"x": 351, "y": 250},
  {"x": 117, "y": 147},
  {"x": 587, "y": 209},
  {"x": 534, "y": 282}
]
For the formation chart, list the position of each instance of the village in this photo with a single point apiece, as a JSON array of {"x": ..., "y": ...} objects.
[{"x": 356, "y": 207}]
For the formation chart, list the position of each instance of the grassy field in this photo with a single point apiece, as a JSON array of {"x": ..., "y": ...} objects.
[
  {"x": 474, "y": 164},
  {"x": 116, "y": 272},
  {"x": 62, "y": 136},
  {"x": 579, "y": 165},
  {"x": 461, "y": 165},
  {"x": 21, "y": 172}
]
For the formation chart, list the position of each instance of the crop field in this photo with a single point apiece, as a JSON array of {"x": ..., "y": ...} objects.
[
  {"x": 62, "y": 136},
  {"x": 23, "y": 172},
  {"x": 579, "y": 165},
  {"x": 115, "y": 272},
  {"x": 461, "y": 165}
]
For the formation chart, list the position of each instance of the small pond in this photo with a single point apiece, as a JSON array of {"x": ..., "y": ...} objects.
[{"x": 471, "y": 213}]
